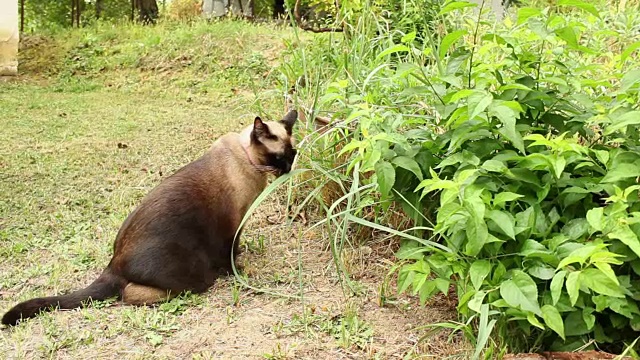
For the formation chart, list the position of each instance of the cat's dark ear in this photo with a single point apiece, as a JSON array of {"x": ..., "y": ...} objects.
[
  {"x": 289, "y": 120},
  {"x": 260, "y": 129}
]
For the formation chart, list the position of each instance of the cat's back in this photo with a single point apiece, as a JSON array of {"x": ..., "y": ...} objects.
[{"x": 194, "y": 195}]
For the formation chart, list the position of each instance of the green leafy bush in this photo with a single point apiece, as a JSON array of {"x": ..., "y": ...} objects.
[{"x": 514, "y": 150}]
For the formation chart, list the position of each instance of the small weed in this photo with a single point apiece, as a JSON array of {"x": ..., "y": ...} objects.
[
  {"x": 153, "y": 338},
  {"x": 350, "y": 330},
  {"x": 278, "y": 329},
  {"x": 236, "y": 289},
  {"x": 180, "y": 304},
  {"x": 347, "y": 328},
  {"x": 278, "y": 353},
  {"x": 231, "y": 315},
  {"x": 255, "y": 245},
  {"x": 101, "y": 304}
]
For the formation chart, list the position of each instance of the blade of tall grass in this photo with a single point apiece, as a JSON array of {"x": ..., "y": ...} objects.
[
  {"x": 484, "y": 331},
  {"x": 261, "y": 198}
]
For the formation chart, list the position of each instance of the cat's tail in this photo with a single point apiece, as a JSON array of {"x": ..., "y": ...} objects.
[{"x": 105, "y": 286}]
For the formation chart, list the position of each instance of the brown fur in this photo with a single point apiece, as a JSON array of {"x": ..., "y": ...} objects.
[
  {"x": 181, "y": 236},
  {"x": 136, "y": 294}
]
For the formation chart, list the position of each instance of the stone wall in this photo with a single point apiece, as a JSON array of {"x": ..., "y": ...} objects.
[{"x": 9, "y": 36}]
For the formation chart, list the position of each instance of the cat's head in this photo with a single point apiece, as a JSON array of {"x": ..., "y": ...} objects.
[{"x": 273, "y": 144}]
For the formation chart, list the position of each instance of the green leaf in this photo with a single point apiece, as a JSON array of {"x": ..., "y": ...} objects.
[
  {"x": 531, "y": 318},
  {"x": 476, "y": 229},
  {"x": 408, "y": 38},
  {"x": 569, "y": 35},
  {"x": 494, "y": 166},
  {"x": 533, "y": 249},
  {"x": 418, "y": 280},
  {"x": 477, "y": 235},
  {"x": 576, "y": 228},
  {"x": 507, "y": 116},
  {"x": 408, "y": 163},
  {"x": 594, "y": 218},
  {"x": 525, "y": 220},
  {"x": 553, "y": 319},
  {"x": 541, "y": 271},
  {"x": 426, "y": 291},
  {"x": 623, "y": 171},
  {"x": 514, "y": 86},
  {"x": 478, "y": 103},
  {"x": 574, "y": 324},
  {"x": 629, "y": 80},
  {"x": 573, "y": 286},
  {"x": 504, "y": 197},
  {"x": 405, "y": 280},
  {"x": 629, "y": 118},
  {"x": 411, "y": 250},
  {"x": 449, "y": 40},
  {"x": 505, "y": 222},
  {"x": 635, "y": 266},
  {"x": 606, "y": 257},
  {"x": 627, "y": 237},
  {"x": 478, "y": 271},
  {"x": 590, "y": 8},
  {"x": 524, "y": 175},
  {"x": 635, "y": 326},
  {"x": 525, "y": 13},
  {"x": 386, "y": 176},
  {"x": 459, "y": 95},
  {"x": 623, "y": 307},
  {"x": 607, "y": 270},
  {"x": 455, "y": 5},
  {"x": 597, "y": 281},
  {"x": 588, "y": 317},
  {"x": 521, "y": 291},
  {"x": 602, "y": 156},
  {"x": 556, "y": 286},
  {"x": 476, "y": 301},
  {"x": 392, "y": 50},
  {"x": 627, "y": 52},
  {"x": 580, "y": 255},
  {"x": 558, "y": 162},
  {"x": 442, "y": 285}
]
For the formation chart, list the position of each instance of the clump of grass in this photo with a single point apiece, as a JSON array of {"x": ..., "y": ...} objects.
[{"x": 201, "y": 55}]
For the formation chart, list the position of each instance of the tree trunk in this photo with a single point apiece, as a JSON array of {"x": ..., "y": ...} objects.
[
  {"x": 278, "y": 9},
  {"x": 21, "y": 16},
  {"x": 99, "y": 7},
  {"x": 78, "y": 10},
  {"x": 147, "y": 11},
  {"x": 73, "y": 12}
]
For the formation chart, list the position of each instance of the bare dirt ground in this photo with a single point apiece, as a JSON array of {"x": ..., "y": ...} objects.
[{"x": 230, "y": 322}]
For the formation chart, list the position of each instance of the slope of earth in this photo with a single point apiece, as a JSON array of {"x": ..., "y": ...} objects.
[{"x": 83, "y": 139}]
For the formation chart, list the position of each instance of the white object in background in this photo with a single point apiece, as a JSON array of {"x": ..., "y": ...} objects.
[
  {"x": 9, "y": 37},
  {"x": 214, "y": 8}
]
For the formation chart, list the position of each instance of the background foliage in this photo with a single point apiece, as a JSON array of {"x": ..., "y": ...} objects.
[
  {"x": 54, "y": 14},
  {"x": 510, "y": 148}
]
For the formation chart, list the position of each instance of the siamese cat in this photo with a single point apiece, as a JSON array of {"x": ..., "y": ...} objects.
[{"x": 181, "y": 236}]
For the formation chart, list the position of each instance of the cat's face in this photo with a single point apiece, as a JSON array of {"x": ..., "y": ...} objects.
[{"x": 273, "y": 142}]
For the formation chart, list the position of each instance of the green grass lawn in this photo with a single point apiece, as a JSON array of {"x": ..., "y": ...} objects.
[{"x": 96, "y": 119}]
